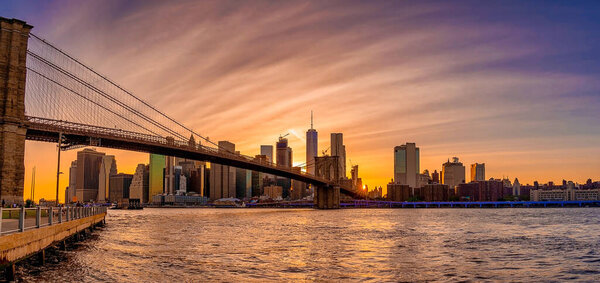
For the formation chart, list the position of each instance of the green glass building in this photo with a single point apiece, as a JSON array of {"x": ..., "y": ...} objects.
[{"x": 156, "y": 178}]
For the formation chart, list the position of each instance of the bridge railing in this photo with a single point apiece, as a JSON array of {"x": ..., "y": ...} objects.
[
  {"x": 14, "y": 220},
  {"x": 98, "y": 131}
]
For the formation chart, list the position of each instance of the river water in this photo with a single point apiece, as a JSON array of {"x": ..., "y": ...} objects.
[{"x": 234, "y": 245}]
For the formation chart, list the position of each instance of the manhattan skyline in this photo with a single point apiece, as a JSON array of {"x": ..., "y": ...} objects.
[{"x": 516, "y": 92}]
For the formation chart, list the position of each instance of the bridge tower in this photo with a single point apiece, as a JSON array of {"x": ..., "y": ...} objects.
[
  {"x": 327, "y": 197},
  {"x": 14, "y": 35}
]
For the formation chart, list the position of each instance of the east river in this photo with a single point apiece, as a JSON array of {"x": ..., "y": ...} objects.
[{"x": 239, "y": 245}]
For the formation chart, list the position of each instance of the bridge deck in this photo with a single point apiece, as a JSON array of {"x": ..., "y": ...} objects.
[{"x": 74, "y": 134}]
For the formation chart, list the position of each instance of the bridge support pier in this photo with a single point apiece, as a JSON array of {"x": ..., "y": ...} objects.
[
  {"x": 14, "y": 35},
  {"x": 9, "y": 272},
  {"x": 327, "y": 197}
]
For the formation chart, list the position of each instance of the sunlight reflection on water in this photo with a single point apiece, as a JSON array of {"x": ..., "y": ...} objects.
[{"x": 166, "y": 245}]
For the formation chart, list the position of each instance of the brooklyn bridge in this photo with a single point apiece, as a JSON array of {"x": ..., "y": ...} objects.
[{"x": 49, "y": 96}]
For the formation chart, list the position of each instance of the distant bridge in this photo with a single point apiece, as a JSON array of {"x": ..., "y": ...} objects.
[{"x": 47, "y": 95}]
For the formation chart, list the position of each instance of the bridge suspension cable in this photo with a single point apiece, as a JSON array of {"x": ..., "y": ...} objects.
[{"x": 63, "y": 88}]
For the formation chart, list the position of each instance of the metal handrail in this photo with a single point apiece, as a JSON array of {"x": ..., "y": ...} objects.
[{"x": 50, "y": 216}]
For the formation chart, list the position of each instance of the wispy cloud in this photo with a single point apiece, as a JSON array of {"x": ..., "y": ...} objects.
[{"x": 383, "y": 73}]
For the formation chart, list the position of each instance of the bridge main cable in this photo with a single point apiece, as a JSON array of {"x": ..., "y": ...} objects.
[
  {"x": 103, "y": 94},
  {"x": 126, "y": 91}
]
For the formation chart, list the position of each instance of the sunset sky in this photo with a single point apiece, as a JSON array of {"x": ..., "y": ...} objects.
[{"x": 513, "y": 84}]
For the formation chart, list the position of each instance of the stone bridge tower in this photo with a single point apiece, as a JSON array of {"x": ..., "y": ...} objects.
[
  {"x": 327, "y": 197},
  {"x": 14, "y": 35}
]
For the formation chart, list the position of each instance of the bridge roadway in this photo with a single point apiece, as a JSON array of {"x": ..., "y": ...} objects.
[{"x": 75, "y": 134}]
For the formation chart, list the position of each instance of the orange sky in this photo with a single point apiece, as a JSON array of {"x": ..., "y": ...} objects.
[{"x": 383, "y": 74}]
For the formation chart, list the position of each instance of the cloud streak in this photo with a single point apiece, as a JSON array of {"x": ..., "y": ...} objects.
[{"x": 489, "y": 88}]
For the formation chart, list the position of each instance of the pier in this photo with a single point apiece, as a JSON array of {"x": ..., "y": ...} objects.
[{"x": 28, "y": 231}]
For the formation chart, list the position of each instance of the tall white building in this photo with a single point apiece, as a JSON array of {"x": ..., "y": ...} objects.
[
  {"x": 312, "y": 144},
  {"x": 108, "y": 167},
  {"x": 339, "y": 149},
  {"x": 406, "y": 164}
]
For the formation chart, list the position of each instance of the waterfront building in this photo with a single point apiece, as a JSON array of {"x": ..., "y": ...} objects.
[
  {"x": 434, "y": 192},
  {"x": 222, "y": 177},
  {"x": 298, "y": 188},
  {"x": 467, "y": 192},
  {"x": 169, "y": 181},
  {"x": 138, "y": 190},
  {"x": 376, "y": 193},
  {"x": 89, "y": 162},
  {"x": 273, "y": 192},
  {"x": 516, "y": 189},
  {"x": 570, "y": 193},
  {"x": 435, "y": 177},
  {"x": 453, "y": 173},
  {"x": 399, "y": 192},
  {"x": 119, "y": 188},
  {"x": 160, "y": 200},
  {"x": 339, "y": 149},
  {"x": 156, "y": 175},
  {"x": 108, "y": 167},
  {"x": 284, "y": 153},
  {"x": 506, "y": 182},
  {"x": 197, "y": 180},
  {"x": 257, "y": 183},
  {"x": 283, "y": 156},
  {"x": 243, "y": 183},
  {"x": 267, "y": 150},
  {"x": 423, "y": 179},
  {"x": 312, "y": 144},
  {"x": 477, "y": 172},
  {"x": 406, "y": 164},
  {"x": 492, "y": 190},
  {"x": 70, "y": 193},
  {"x": 354, "y": 176}
]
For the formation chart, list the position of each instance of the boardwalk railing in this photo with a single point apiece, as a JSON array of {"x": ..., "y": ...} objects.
[{"x": 15, "y": 220}]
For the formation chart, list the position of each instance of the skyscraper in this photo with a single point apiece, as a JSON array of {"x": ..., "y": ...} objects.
[
  {"x": 156, "y": 177},
  {"x": 139, "y": 185},
  {"x": 169, "y": 181},
  {"x": 267, "y": 150},
  {"x": 88, "y": 173},
  {"x": 107, "y": 168},
  {"x": 283, "y": 156},
  {"x": 284, "y": 153},
  {"x": 243, "y": 183},
  {"x": 311, "y": 147},
  {"x": 339, "y": 149},
  {"x": 70, "y": 195},
  {"x": 119, "y": 188},
  {"x": 222, "y": 177},
  {"x": 477, "y": 172},
  {"x": 406, "y": 164},
  {"x": 453, "y": 173}
]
